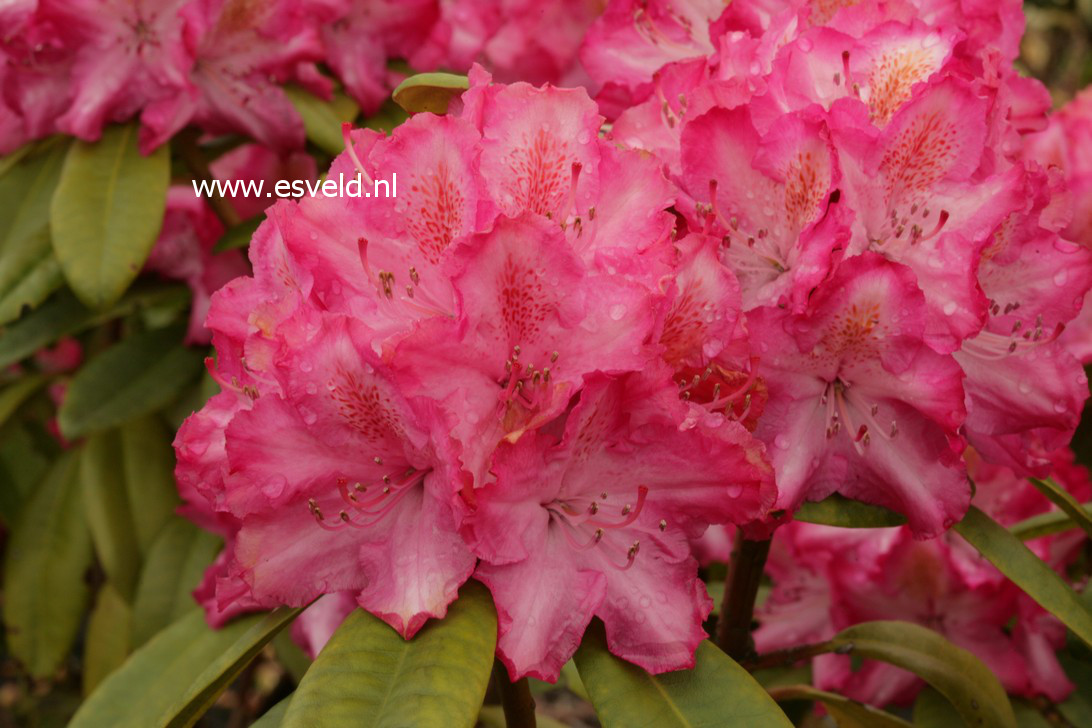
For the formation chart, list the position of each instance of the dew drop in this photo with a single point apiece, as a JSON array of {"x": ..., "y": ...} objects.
[
  {"x": 1061, "y": 277},
  {"x": 645, "y": 602},
  {"x": 950, "y": 308},
  {"x": 617, "y": 311},
  {"x": 781, "y": 442}
]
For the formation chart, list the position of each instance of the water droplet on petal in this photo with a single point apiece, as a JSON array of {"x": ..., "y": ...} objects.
[
  {"x": 950, "y": 308},
  {"x": 617, "y": 311},
  {"x": 1061, "y": 277}
]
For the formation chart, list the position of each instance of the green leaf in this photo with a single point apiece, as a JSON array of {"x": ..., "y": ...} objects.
[
  {"x": 492, "y": 716},
  {"x": 38, "y": 282},
  {"x": 389, "y": 116},
  {"x": 1028, "y": 716},
  {"x": 18, "y": 392},
  {"x": 837, "y": 510},
  {"x": 44, "y": 589},
  {"x": 28, "y": 273},
  {"x": 716, "y": 692},
  {"x": 846, "y": 713},
  {"x": 368, "y": 675},
  {"x": 932, "y": 710},
  {"x": 956, "y": 673},
  {"x": 148, "y": 465},
  {"x": 106, "y": 504},
  {"x": 273, "y": 717},
  {"x": 172, "y": 569},
  {"x": 322, "y": 120},
  {"x": 132, "y": 378},
  {"x": 1045, "y": 524},
  {"x": 107, "y": 643},
  {"x": 238, "y": 236},
  {"x": 107, "y": 212},
  {"x": 63, "y": 315},
  {"x": 291, "y": 656},
  {"x": 1077, "y": 708},
  {"x": 429, "y": 92},
  {"x": 174, "y": 678},
  {"x": 1060, "y": 497},
  {"x": 1013, "y": 559},
  {"x": 23, "y": 464}
]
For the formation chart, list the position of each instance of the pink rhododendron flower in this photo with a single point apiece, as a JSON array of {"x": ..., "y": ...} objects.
[
  {"x": 403, "y": 376},
  {"x": 517, "y": 40},
  {"x": 858, "y": 404},
  {"x": 826, "y": 579},
  {"x": 64, "y": 356},
  {"x": 600, "y": 514},
  {"x": 805, "y": 136}
]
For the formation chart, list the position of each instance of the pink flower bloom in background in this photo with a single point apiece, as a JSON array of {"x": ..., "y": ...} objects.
[
  {"x": 62, "y": 357},
  {"x": 184, "y": 250},
  {"x": 826, "y": 579}
]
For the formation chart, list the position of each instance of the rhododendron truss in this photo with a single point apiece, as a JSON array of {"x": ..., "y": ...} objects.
[
  {"x": 682, "y": 363},
  {"x": 458, "y": 373}
]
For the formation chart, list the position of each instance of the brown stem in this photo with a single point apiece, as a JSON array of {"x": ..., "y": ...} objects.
[
  {"x": 516, "y": 699},
  {"x": 740, "y": 590},
  {"x": 195, "y": 160},
  {"x": 786, "y": 657}
]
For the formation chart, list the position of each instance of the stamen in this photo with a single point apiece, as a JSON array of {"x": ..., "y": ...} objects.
[{"x": 346, "y": 127}]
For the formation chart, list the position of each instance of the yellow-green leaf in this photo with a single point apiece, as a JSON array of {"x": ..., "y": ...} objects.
[
  {"x": 1069, "y": 505},
  {"x": 148, "y": 465},
  {"x": 1013, "y": 559},
  {"x": 846, "y": 713},
  {"x": 107, "y": 643},
  {"x": 837, "y": 510},
  {"x": 1045, "y": 524},
  {"x": 273, "y": 717},
  {"x": 322, "y": 120},
  {"x": 368, "y": 675},
  {"x": 28, "y": 273},
  {"x": 430, "y": 92},
  {"x": 717, "y": 692},
  {"x": 107, "y": 507},
  {"x": 107, "y": 212},
  {"x": 956, "y": 673},
  {"x": 132, "y": 378},
  {"x": 44, "y": 588},
  {"x": 64, "y": 315},
  {"x": 174, "y": 678},
  {"x": 172, "y": 569},
  {"x": 18, "y": 392}
]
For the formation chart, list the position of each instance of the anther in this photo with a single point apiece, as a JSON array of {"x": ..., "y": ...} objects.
[{"x": 663, "y": 525}]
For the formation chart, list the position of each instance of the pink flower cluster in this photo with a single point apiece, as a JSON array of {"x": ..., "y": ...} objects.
[
  {"x": 814, "y": 247},
  {"x": 826, "y": 579},
  {"x": 472, "y": 379},
  {"x": 903, "y": 262},
  {"x": 71, "y": 66}
]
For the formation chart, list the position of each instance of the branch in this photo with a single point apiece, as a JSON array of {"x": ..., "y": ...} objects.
[
  {"x": 740, "y": 591},
  {"x": 516, "y": 699},
  {"x": 199, "y": 167},
  {"x": 788, "y": 656}
]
